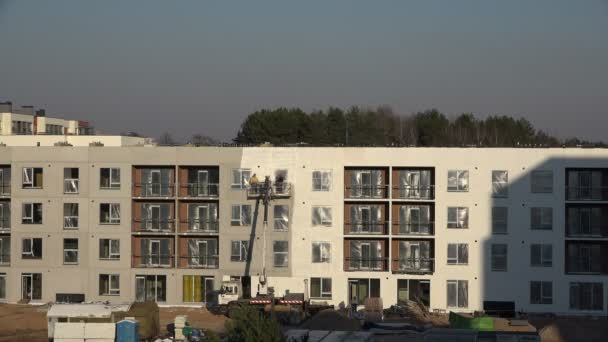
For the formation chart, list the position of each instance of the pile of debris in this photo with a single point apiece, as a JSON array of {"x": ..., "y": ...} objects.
[{"x": 416, "y": 313}]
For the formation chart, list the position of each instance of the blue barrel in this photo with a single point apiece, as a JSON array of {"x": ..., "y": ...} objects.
[{"x": 127, "y": 331}]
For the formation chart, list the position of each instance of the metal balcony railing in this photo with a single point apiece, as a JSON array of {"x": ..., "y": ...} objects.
[
  {"x": 199, "y": 190},
  {"x": 70, "y": 222},
  {"x": 201, "y": 226},
  {"x": 584, "y": 232},
  {"x": 414, "y": 229},
  {"x": 587, "y": 193},
  {"x": 200, "y": 261},
  {"x": 414, "y": 192},
  {"x": 583, "y": 265},
  {"x": 362, "y": 228},
  {"x": 153, "y": 189},
  {"x": 366, "y": 264},
  {"x": 154, "y": 225},
  {"x": 70, "y": 186},
  {"x": 278, "y": 189},
  {"x": 366, "y": 191},
  {"x": 5, "y": 189},
  {"x": 414, "y": 265},
  {"x": 153, "y": 261}
]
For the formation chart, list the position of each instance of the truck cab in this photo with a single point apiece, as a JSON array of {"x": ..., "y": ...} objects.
[{"x": 228, "y": 292}]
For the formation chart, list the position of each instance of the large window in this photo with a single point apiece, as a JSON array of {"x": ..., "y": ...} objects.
[
  {"x": 541, "y": 292},
  {"x": 70, "y": 251},
  {"x": 280, "y": 250},
  {"x": 238, "y": 250},
  {"x": 70, "y": 180},
  {"x": 321, "y": 216},
  {"x": 458, "y": 217},
  {"x": 5, "y": 250},
  {"x": 320, "y": 288},
  {"x": 586, "y": 296},
  {"x": 458, "y": 180},
  {"x": 5, "y": 215},
  {"x": 70, "y": 215},
  {"x": 109, "y": 178},
  {"x": 150, "y": 288},
  {"x": 31, "y": 286},
  {"x": 584, "y": 221},
  {"x": 458, "y": 253},
  {"x": 240, "y": 178},
  {"x": 541, "y": 218},
  {"x": 109, "y": 285},
  {"x": 31, "y": 248},
  {"x": 321, "y": 252},
  {"x": 361, "y": 289},
  {"x": 541, "y": 255},
  {"x": 542, "y": 181},
  {"x": 321, "y": 180},
  {"x": 109, "y": 213},
  {"x": 281, "y": 217},
  {"x": 197, "y": 289},
  {"x": 500, "y": 183},
  {"x": 499, "y": 257},
  {"x": 32, "y": 178},
  {"x": 241, "y": 215},
  {"x": 31, "y": 213},
  {"x": 458, "y": 293},
  {"x": 109, "y": 249},
  {"x": 500, "y": 217}
]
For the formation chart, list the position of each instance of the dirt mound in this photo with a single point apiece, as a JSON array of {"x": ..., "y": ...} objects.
[{"x": 331, "y": 320}]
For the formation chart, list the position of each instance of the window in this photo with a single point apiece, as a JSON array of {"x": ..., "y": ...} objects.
[
  {"x": 458, "y": 253},
  {"x": 240, "y": 178},
  {"x": 70, "y": 215},
  {"x": 500, "y": 183},
  {"x": 281, "y": 253},
  {"x": 500, "y": 220},
  {"x": 109, "y": 213},
  {"x": 458, "y": 217},
  {"x": 5, "y": 180},
  {"x": 584, "y": 221},
  {"x": 150, "y": 288},
  {"x": 32, "y": 178},
  {"x": 499, "y": 257},
  {"x": 320, "y": 287},
  {"x": 109, "y": 249},
  {"x": 2, "y": 286},
  {"x": 70, "y": 180},
  {"x": 32, "y": 213},
  {"x": 109, "y": 285},
  {"x": 109, "y": 178},
  {"x": 321, "y": 216},
  {"x": 70, "y": 251},
  {"x": 361, "y": 289},
  {"x": 542, "y": 182},
  {"x": 458, "y": 180},
  {"x": 321, "y": 180},
  {"x": 458, "y": 293},
  {"x": 321, "y": 252},
  {"x": 541, "y": 255},
  {"x": 31, "y": 286},
  {"x": 541, "y": 218},
  {"x": 5, "y": 249},
  {"x": 31, "y": 248},
  {"x": 198, "y": 289},
  {"x": 281, "y": 217},
  {"x": 541, "y": 292},
  {"x": 241, "y": 215},
  {"x": 586, "y": 296},
  {"x": 5, "y": 215},
  {"x": 239, "y": 250}
]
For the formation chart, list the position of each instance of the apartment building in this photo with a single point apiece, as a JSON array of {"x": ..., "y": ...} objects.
[{"x": 457, "y": 228}]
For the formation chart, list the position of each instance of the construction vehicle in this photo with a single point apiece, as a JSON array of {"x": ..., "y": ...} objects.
[{"x": 292, "y": 306}]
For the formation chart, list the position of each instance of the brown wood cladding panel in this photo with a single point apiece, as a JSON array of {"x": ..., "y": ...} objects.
[
  {"x": 136, "y": 180},
  {"x": 183, "y": 182},
  {"x": 136, "y": 212},
  {"x": 183, "y": 252},
  {"x": 395, "y": 254},
  {"x": 346, "y": 183},
  {"x": 346, "y": 254},
  {"x": 183, "y": 216},
  {"x": 136, "y": 250}
]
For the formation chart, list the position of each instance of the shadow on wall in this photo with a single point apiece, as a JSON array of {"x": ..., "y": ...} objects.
[{"x": 548, "y": 250}]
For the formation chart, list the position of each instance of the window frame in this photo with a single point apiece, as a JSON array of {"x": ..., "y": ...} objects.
[
  {"x": 71, "y": 250},
  {"x": 110, "y": 253},
  {"x": 457, "y": 299},
  {"x": 277, "y": 221},
  {"x": 31, "y": 183},
  {"x": 322, "y": 223},
  {"x": 29, "y": 255},
  {"x": 244, "y": 181},
  {"x": 66, "y": 217},
  {"x": 243, "y": 251},
  {"x": 497, "y": 223},
  {"x": 457, "y": 187},
  {"x": 493, "y": 255},
  {"x": 33, "y": 206},
  {"x": 323, "y": 174},
  {"x": 240, "y": 221},
  {"x": 322, "y": 295},
  {"x": 542, "y": 224},
  {"x": 534, "y": 187},
  {"x": 505, "y": 184},
  {"x": 275, "y": 253},
  {"x": 110, "y": 288},
  {"x": 456, "y": 223},
  {"x": 543, "y": 299},
  {"x": 111, "y": 220},
  {"x": 112, "y": 184},
  {"x": 542, "y": 262},
  {"x": 456, "y": 260},
  {"x": 322, "y": 259}
]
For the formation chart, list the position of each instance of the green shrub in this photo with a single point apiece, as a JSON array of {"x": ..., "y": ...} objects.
[{"x": 250, "y": 325}]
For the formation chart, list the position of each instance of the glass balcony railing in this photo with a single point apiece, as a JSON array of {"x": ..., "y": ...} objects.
[
  {"x": 414, "y": 265},
  {"x": 366, "y": 191},
  {"x": 414, "y": 192},
  {"x": 587, "y": 193},
  {"x": 583, "y": 265},
  {"x": 199, "y": 190},
  {"x": 153, "y": 189},
  {"x": 366, "y": 228},
  {"x": 155, "y": 260},
  {"x": 200, "y": 226},
  {"x": 153, "y": 225},
  {"x": 200, "y": 261},
  {"x": 414, "y": 229},
  {"x": 366, "y": 264}
]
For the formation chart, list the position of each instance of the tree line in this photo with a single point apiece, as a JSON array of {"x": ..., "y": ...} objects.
[{"x": 382, "y": 127}]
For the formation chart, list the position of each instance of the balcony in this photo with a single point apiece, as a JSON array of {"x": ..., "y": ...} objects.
[
  {"x": 153, "y": 261},
  {"x": 197, "y": 226},
  {"x": 153, "y": 190},
  {"x": 414, "y": 265},
  {"x": 414, "y": 229},
  {"x": 153, "y": 225},
  {"x": 365, "y": 264},
  {"x": 583, "y": 265},
  {"x": 277, "y": 190},
  {"x": 199, "y": 261},
  {"x": 364, "y": 228},
  {"x": 422, "y": 193},
  {"x": 586, "y": 193},
  {"x": 366, "y": 182},
  {"x": 365, "y": 191},
  {"x": 199, "y": 190},
  {"x": 70, "y": 186}
]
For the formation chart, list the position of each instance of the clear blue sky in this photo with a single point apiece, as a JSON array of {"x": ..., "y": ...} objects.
[{"x": 202, "y": 66}]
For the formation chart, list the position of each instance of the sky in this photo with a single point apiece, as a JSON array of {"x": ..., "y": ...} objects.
[{"x": 187, "y": 67}]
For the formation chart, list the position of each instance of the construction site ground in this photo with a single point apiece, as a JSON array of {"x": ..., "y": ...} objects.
[{"x": 28, "y": 323}]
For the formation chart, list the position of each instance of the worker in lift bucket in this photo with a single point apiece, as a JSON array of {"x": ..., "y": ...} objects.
[{"x": 254, "y": 183}]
